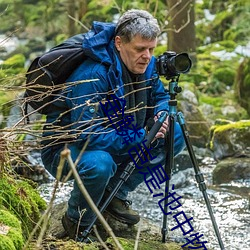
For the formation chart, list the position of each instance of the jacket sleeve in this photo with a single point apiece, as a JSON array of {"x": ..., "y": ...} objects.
[{"x": 88, "y": 121}]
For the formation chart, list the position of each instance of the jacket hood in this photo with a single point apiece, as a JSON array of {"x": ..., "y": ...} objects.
[{"x": 98, "y": 43}]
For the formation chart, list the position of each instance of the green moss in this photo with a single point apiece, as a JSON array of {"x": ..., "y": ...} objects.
[
  {"x": 212, "y": 100},
  {"x": 9, "y": 219},
  {"x": 128, "y": 244},
  {"x": 16, "y": 237},
  {"x": 225, "y": 75},
  {"x": 235, "y": 125},
  {"x": 13, "y": 239},
  {"x": 16, "y": 61},
  {"x": 6, "y": 243},
  {"x": 21, "y": 199}
]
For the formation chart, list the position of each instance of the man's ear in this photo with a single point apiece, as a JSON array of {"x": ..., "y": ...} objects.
[{"x": 118, "y": 42}]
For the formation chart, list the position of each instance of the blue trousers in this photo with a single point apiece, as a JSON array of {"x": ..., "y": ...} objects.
[{"x": 99, "y": 170}]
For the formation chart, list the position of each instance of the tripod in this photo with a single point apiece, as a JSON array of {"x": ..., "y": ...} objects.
[{"x": 173, "y": 90}]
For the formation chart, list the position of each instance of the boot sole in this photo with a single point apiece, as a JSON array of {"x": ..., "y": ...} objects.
[{"x": 121, "y": 219}]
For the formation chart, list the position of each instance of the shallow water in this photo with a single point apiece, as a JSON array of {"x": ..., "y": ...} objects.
[{"x": 230, "y": 204}]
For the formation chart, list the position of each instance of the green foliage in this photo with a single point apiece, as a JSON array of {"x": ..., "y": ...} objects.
[{"x": 229, "y": 23}]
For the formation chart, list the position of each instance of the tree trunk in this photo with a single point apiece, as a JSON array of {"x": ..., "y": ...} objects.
[
  {"x": 83, "y": 7},
  {"x": 181, "y": 27},
  {"x": 71, "y": 6}
]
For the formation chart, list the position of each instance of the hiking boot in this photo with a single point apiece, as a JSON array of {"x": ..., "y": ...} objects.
[
  {"x": 121, "y": 211},
  {"x": 75, "y": 231}
]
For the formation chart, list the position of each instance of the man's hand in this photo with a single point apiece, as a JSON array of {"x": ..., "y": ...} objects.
[{"x": 164, "y": 128}]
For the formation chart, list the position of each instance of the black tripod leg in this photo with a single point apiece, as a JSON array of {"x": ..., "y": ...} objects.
[
  {"x": 199, "y": 176},
  {"x": 169, "y": 163}
]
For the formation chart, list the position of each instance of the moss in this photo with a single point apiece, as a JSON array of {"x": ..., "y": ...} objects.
[
  {"x": 128, "y": 244},
  {"x": 214, "y": 101},
  {"x": 21, "y": 199},
  {"x": 6, "y": 243},
  {"x": 225, "y": 75},
  {"x": 16, "y": 237},
  {"x": 9, "y": 219},
  {"x": 235, "y": 125},
  {"x": 13, "y": 239},
  {"x": 16, "y": 61}
]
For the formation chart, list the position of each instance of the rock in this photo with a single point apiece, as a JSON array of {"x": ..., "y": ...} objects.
[
  {"x": 197, "y": 125},
  {"x": 232, "y": 139},
  {"x": 231, "y": 169}
]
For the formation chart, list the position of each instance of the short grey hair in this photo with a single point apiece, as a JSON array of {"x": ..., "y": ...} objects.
[{"x": 137, "y": 22}]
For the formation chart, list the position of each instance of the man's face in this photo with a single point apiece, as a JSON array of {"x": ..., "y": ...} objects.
[{"x": 137, "y": 53}]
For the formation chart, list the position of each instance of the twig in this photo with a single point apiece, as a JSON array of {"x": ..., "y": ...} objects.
[
  {"x": 77, "y": 21},
  {"x": 99, "y": 238},
  {"x": 137, "y": 236},
  {"x": 66, "y": 154}
]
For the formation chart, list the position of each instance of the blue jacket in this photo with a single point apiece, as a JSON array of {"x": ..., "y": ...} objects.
[{"x": 86, "y": 118}]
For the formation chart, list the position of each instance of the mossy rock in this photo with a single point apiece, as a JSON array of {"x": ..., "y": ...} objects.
[
  {"x": 21, "y": 199},
  {"x": 11, "y": 237},
  {"x": 231, "y": 139}
]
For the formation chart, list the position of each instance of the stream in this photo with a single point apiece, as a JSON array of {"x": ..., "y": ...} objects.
[{"x": 230, "y": 203}]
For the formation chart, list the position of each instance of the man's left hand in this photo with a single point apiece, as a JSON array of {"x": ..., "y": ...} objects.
[{"x": 164, "y": 128}]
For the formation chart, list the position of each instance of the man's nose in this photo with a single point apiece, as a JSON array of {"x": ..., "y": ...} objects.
[{"x": 146, "y": 54}]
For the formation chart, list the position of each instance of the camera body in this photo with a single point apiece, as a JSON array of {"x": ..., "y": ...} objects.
[{"x": 171, "y": 65}]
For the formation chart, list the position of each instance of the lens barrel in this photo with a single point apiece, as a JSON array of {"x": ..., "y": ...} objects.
[{"x": 171, "y": 64}]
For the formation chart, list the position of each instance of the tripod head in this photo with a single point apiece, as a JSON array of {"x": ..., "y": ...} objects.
[{"x": 174, "y": 89}]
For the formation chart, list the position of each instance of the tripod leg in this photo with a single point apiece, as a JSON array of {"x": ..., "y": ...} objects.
[
  {"x": 199, "y": 176},
  {"x": 169, "y": 163}
]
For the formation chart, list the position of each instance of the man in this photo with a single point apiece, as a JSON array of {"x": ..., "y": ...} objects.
[{"x": 123, "y": 79}]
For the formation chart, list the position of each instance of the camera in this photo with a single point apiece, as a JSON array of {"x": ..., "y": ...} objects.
[{"x": 171, "y": 65}]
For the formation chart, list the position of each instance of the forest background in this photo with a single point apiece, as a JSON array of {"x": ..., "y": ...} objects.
[{"x": 214, "y": 33}]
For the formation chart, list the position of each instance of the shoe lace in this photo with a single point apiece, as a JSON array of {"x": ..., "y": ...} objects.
[{"x": 127, "y": 203}]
